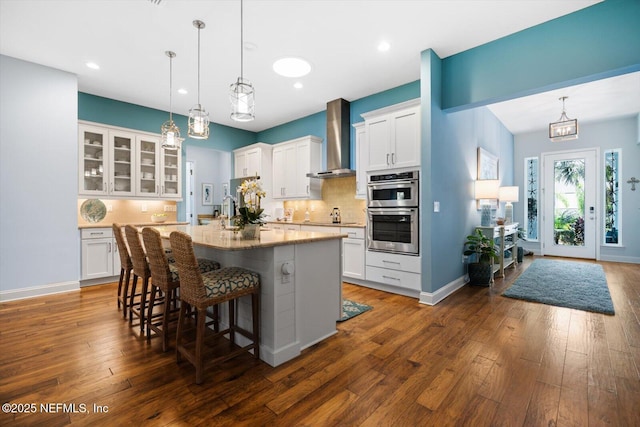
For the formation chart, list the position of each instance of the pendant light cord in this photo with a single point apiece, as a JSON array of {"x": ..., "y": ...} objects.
[
  {"x": 241, "y": 40},
  {"x": 198, "y": 66},
  {"x": 170, "y": 86}
]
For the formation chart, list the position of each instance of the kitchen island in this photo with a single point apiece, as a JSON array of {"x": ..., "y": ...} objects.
[{"x": 300, "y": 278}]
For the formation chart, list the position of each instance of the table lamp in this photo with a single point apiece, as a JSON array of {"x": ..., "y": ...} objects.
[
  {"x": 508, "y": 195},
  {"x": 485, "y": 191}
]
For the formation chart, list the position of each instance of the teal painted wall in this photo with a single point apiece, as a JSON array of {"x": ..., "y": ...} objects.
[
  {"x": 117, "y": 113},
  {"x": 596, "y": 42}
]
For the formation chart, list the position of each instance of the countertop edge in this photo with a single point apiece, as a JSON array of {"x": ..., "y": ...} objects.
[
  {"x": 320, "y": 224},
  {"x": 135, "y": 224}
]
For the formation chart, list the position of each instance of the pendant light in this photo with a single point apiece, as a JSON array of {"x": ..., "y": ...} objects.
[
  {"x": 242, "y": 95},
  {"x": 170, "y": 132},
  {"x": 565, "y": 128},
  {"x": 198, "y": 117}
]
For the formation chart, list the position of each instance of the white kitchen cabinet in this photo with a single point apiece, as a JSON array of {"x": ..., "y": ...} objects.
[
  {"x": 124, "y": 163},
  {"x": 353, "y": 253},
  {"x": 106, "y": 161},
  {"x": 400, "y": 271},
  {"x": 292, "y": 161},
  {"x": 100, "y": 257},
  {"x": 252, "y": 160},
  {"x": 393, "y": 135},
  {"x": 362, "y": 159},
  {"x": 320, "y": 228}
]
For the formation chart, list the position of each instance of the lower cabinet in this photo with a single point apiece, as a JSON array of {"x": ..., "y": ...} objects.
[
  {"x": 401, "y": 271},
  {"x": 353, "y": 253},
  {"x": 100, "y": 257}
]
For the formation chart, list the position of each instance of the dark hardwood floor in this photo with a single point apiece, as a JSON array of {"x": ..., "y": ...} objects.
[{"x": 475, "y": 359}]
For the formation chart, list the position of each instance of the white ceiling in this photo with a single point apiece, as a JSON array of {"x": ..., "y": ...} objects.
[{"x": 128, "y": 38}]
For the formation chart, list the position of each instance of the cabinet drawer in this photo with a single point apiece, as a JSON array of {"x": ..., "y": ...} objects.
[
  {"x": 394, "y": 261},
  {"x": 353, "y": 232},
  {"x": 96, "y": 233},
  {"x": 401, "y": 279},
  {"x": 319, "y": 229}
]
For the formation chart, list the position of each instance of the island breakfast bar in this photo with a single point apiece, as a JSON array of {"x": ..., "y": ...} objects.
[{"x": 300, "y": 277}]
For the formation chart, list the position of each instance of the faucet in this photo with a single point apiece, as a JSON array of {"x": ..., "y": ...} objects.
[{"x": 230, "y": 211}]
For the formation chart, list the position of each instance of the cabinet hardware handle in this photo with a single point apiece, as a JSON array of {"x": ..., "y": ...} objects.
[
  {"x": 97, "y": 233},
  {"x": 307, "y": 188},
  {"x": 105, "y": 188},
  {"x": 392, "y": 278},
  {"x": 109, "y": 247},
  {"x": 393, "y": 158},
  {"x": 387, "y": 158}
]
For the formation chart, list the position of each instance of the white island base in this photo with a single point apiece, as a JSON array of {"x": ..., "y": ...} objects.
[{"x": 298, "y": 309}]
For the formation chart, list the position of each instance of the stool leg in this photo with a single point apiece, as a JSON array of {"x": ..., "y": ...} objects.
[
  {"x": 184, "y": 312},
  {"x": 132, "y": 299},
  {"x": 125, "y": 293},
  {"x": 232, "y": 321},
  {"x": 202, "y": 319},
  {"x": 143, "y": 303},
  {"x": 166, "y": 309},
  {"x": 152, "y": 300},
  {"x": 255, "y": 308},
  {"x": 120, "y": 286}
]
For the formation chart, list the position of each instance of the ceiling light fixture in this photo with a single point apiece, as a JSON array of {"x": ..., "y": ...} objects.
[
  {"x": 384, "y": 46},
  {"x": 292, "y": 67},
  {"x": 170, "y": 132},
  {"x": 298, "y": 85},
  {"x": 198, "y": 117},
  {"x": 241, "y": 93},
  {"x": 565, "y": 128},
  {"x": 182, "y": 91},
  {"x": 92, "y": 65}
]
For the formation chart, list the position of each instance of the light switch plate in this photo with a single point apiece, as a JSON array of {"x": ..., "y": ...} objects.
[{"x": 436, "y": 206}]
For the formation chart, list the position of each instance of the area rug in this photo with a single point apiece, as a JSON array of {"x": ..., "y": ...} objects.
[
  {"x": 352, "y": 309},
  {"x": 569, "y": 284}
]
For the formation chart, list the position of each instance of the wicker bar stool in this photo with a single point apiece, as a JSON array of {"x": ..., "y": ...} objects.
[
  {"x": 125, "y": 269},
  {"x": 201, "y": 291},
  {"x": 165, "y": 282},
  {"x": 140, "y": 271}
]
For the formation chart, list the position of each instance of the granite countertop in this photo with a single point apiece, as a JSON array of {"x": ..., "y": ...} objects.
[
  {"x": 136, "y": 224},
  {"x": 322, "y": 224},
  {"x": 217, "y": 238}
]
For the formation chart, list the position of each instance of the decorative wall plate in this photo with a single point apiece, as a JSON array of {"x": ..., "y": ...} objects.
[{"x": 93, "y": 210}]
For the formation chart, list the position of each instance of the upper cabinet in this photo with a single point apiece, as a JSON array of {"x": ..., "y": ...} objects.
[
  {"x": 393, "y": 135},
  {"x": 362, "y": 158},
  {"x": 121, "y": 163},
  {"x": 292, "y": 161},
  {"x": 252, "y": 160}
]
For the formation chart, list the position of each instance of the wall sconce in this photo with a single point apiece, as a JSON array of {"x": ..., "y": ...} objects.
[
  {"x": 486, "y": 195},
  {"x": 508, "y": 195}
]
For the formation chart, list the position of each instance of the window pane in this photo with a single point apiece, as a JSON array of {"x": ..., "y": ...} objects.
[
  {"x": 611, "y": 197},
  {"x": 531, "y": 190}
]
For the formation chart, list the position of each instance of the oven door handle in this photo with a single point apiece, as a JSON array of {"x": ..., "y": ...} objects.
[
  {"x": 392, "y": 211},
  {"x": 393, "y": 184}
]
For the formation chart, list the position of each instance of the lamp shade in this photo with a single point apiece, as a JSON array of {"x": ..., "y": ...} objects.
[
  {"x": 508, "y": 194},
  {"x": 487, "y": 189}
]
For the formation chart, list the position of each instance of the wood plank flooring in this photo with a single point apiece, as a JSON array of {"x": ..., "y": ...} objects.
[{"x": 475, "y": 359}]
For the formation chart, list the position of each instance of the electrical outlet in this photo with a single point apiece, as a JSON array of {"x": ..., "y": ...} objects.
[
  {"x": 109, "y": 208},
  {"x": 144, "y": 207},
  {"x": 167, "y": 208}
]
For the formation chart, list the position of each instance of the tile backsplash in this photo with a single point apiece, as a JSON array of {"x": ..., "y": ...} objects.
[
  {"x": 130, "y": 211},
  {"x": 336, "y": 192}
]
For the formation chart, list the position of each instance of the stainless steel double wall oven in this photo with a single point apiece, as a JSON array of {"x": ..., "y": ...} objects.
[{"x": 393, "y": 213}]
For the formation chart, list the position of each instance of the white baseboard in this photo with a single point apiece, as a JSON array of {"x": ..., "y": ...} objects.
[
  {"x": 38, "y": 291},
  {"x": 432, "y": 298},
  {"x": 614, "y": 258}
]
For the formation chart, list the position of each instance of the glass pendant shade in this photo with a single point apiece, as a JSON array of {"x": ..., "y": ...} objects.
[
  {"x": 170, "y": 133},
  {"x": 198, "y": 117},
  {"x": 565, "y": 128},
  {"x": 242, "y": 99},
  {"x": 198, "y": 123}
]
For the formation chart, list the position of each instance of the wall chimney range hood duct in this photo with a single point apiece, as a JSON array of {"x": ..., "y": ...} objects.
[{"x": 338, "y": 141}]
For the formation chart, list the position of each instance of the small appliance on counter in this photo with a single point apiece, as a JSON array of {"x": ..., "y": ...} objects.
[
  {"x": 288, "y": 215},
  {"x": 335, "y": 216}
]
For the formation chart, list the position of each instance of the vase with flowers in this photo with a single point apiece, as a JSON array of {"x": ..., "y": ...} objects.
[{"x": 250, "y": 216}]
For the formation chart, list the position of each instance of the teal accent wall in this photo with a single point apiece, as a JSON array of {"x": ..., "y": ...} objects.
[
  {"x": 314, "y": 124},
  {"x": 593, "y": 43},
  {"x": 117, "y": 113}
]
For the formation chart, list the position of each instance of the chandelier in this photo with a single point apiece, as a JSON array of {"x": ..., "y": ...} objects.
[
  {"x": 241, "y": 94},
  {"x": 198, "y": 117},
  {"x": 170, "y": 132}
]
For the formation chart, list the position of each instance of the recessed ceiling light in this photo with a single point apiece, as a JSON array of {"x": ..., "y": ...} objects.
[
  {"x": 384, "y": 46},
  {"x": 292, "y": 67},
  {"x": 92, "y": 65},
  {"x": 298, "y": 85},
  {"x": 250, "y": 46},
  {"x": 182, "y": 91}
]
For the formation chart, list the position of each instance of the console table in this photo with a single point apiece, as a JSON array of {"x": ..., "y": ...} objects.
[{"x": 506, "y": 239}]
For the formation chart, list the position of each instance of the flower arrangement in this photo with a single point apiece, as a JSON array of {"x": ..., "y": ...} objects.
[{"x": 251, "y": 213}]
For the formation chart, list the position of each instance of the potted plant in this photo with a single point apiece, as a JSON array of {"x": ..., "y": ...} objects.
[
  {"x": 485, "y": 251},
  {"x": 250, "y": 216}
]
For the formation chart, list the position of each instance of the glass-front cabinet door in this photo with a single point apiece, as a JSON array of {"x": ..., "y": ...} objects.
[
  {"x": 122, "y": 172},
  {"x": 93, "y": 156},
  {"x": 170, "y": 175},
  {"x": 148, "y": 181}
]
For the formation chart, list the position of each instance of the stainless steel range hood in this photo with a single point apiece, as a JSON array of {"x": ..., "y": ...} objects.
[{"x": 338, "y": 141}]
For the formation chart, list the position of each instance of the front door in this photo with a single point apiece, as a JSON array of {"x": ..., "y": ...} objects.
[{"x": 570, "y": 208}]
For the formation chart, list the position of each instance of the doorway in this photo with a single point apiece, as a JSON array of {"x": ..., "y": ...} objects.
[{"x": 570, "y": 203}]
